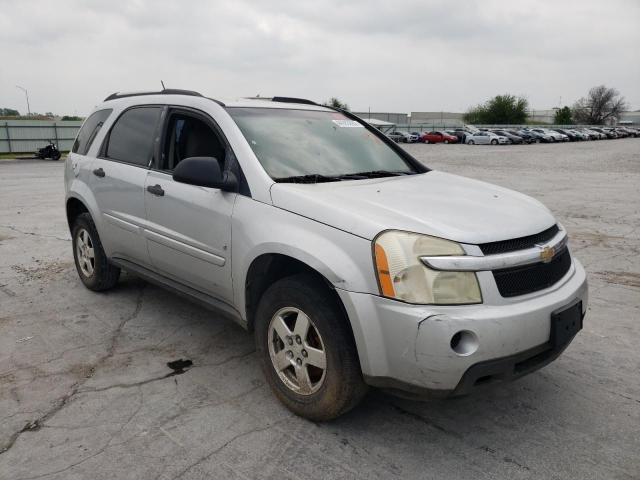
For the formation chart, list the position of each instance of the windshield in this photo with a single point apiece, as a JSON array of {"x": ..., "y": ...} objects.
[{"x": 319, "y": 145}]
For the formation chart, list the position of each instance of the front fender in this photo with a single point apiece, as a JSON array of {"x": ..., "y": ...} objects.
[{"x": 342, "y": 258}]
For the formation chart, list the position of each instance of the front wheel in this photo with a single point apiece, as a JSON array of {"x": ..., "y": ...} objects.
[
  {"x": 307, "y": 350},
  {"x": 55, "y": 156},
  {"x": 446, "y": 141},
  {"x": 470, "y": 142},
  {"x": 494, "y": 142}
]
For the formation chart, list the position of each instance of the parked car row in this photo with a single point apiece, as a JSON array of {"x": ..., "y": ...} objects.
[{"x": 498, "y": 136}]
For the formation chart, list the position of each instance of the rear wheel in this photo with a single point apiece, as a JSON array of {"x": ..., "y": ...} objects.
[
  {"x": 92, "y": 264},
  {"x": 307, "y": 349},
  {"x": 470, "y": 142}
]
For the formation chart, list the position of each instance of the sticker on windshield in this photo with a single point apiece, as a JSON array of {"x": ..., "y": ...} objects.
[{"x": 347, "y": 123}]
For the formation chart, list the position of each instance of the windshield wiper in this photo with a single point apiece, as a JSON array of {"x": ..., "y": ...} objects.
[
  {"x": 311, "y": 178},
  {"x": 317, "y": 178},
  {"x": 371, "y": 174}
]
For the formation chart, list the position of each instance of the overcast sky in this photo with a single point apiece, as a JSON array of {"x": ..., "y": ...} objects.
[{"x": 392, "y": 55}]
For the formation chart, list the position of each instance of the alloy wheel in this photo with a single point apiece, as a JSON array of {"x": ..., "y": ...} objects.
[
  {"x": 297, "y": 351},
  {"x": 85, "y": 253}
]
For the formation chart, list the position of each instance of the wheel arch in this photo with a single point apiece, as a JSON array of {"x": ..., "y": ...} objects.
[
  {"x": 74, "y": 208},
  {"x": 267, "y": 269}
]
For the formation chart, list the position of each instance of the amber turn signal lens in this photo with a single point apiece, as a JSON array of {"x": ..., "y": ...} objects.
[{"x": 384, "y": 277}]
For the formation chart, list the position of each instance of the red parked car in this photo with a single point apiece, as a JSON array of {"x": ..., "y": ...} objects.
[{"x": 438, "y": 137}]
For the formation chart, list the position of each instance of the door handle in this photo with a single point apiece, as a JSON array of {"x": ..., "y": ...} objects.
[
  {"x": 99, "y": 172},
  {"x": 155, "y": 190}
]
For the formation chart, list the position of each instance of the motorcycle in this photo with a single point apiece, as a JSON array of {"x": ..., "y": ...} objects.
[{"x": 50, "y": 151}]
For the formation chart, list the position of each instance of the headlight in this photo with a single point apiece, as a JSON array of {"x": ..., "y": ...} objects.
[{"x": 403, "y": 276}]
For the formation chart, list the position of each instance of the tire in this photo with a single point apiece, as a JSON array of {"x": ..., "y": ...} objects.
[
  {"x": 446, "y": 141},
  {"x": 56, "y": 156},
  {"x": 494, "y": 142},
  {"x": 96, "y": 273},
  {"x": 470, "y": 142},
  {"x": 330, "y": 392}
]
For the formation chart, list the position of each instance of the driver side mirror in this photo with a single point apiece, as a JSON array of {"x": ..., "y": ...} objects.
[{"x": 204, "y": 172}]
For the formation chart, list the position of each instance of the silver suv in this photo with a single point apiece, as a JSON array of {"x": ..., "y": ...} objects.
[{"x": 352, "y": 262}]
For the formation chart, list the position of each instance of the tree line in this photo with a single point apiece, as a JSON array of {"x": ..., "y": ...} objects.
[
  {"x": 599, "y": 105},
  {"x": 13, "y": 114}
]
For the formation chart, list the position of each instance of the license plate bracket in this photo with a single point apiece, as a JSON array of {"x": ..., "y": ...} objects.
[{"x": 566, "y": 322}]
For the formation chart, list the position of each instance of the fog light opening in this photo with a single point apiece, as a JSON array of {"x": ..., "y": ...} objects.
[{"x": 464, "y": 343}]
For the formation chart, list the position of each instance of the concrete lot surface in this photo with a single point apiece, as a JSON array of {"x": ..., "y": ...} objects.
[{"x": 85, "y": 390}]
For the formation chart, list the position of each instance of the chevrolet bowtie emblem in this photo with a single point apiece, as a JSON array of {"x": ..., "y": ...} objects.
[{"x": 547, "y": 254}]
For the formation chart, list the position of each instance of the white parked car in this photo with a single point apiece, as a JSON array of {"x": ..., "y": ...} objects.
[
  {"x": 308, "y": 227},
  {"x": 484, "y": 137}
]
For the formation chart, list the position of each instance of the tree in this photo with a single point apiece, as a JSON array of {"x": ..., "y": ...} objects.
[
  {"x": 71, "y": 117},
  {"x": 9, "y": 112},
  {"x": 501, "y": 109},
  {"x": 563, "y": 116},
  {"x": 600, "y": 104},
  {"x": 336, "y": 103}
]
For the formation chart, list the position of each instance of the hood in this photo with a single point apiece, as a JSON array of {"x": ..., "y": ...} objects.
[{"x": 433, "y": 203}]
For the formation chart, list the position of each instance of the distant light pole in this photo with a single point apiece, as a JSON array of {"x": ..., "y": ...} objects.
[{"x": 26, "y": 95}]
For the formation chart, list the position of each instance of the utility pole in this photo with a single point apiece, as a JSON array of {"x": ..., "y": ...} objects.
[{"x": 26, "y": 95}]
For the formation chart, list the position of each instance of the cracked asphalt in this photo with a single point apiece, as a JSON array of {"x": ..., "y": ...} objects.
[{"x": 85, "y": 390}]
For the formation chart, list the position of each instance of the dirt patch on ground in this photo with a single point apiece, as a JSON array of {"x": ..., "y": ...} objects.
[
  {"x": 594, "y": 239},
  {"x": 629, "y": 279},
  {"x": 41, "y": 271}
]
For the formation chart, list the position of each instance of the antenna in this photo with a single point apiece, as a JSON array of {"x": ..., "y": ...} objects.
[{"x": 162, "y": 83}]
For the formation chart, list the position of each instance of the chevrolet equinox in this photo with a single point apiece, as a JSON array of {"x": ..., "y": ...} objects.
[{"x": 352, "y": 263}]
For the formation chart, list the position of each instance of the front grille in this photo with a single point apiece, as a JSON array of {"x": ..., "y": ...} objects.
[
  {"x": 531, "y": 278},
  {"x": 519, "y": 243}
]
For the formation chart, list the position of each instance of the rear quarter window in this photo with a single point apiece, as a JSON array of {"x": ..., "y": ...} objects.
[{"x": 89, "y": 130}]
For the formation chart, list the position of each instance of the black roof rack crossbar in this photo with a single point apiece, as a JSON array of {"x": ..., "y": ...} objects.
[
  {"x": 166, "y": 91},
  {"x": 293, "y": 100}
]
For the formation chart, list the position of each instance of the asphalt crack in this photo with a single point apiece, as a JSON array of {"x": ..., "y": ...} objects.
[
  {"x": 44, "y": 235},
  {"x": 35, "y": 425},
  {"x": 220, "y": 448}
]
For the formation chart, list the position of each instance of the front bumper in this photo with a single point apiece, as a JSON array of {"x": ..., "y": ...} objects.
[{"x": 408, "y": 347}]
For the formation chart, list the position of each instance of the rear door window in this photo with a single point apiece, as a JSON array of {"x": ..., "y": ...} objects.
[
  {"x": 89, "y": 130},
  {"x": 132, "y": 137}
]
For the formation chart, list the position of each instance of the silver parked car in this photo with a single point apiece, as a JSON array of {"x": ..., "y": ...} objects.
[
  {"x": 403, "y": 137},
  {"x": 308, "y": 227},
  {"x": 556, "y": 136}
]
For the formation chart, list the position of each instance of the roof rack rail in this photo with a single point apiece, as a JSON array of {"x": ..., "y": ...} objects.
[
  {"x": 293, "y": 100},
  {"x": 166, "y": 91}
]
